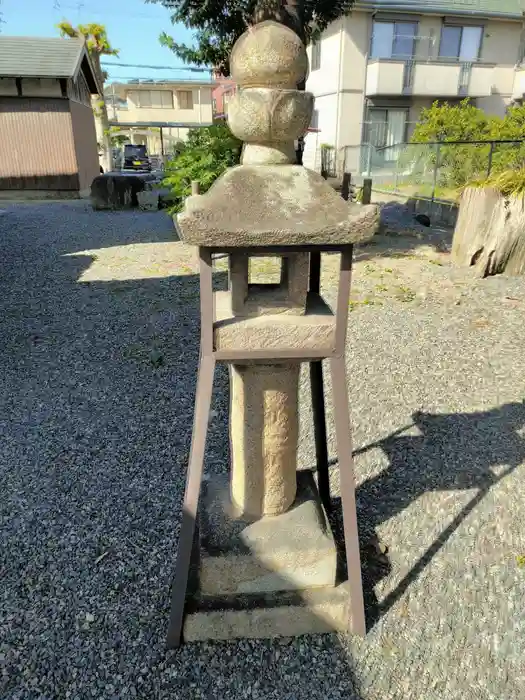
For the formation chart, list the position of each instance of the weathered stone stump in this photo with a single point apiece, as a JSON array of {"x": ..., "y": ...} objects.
[
  {"x": 490, "y": 232},
  {"x": 117, "y": 190},
  {"x": 264, "y": 560}
]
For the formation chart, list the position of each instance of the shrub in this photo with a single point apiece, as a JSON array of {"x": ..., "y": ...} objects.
[
  {"x": 460, "y": 122},
  {"x": 207, "y": 153},
  {"x": 462, "y": 163}
]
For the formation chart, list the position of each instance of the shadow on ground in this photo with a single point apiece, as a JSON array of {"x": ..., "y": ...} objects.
[
  {"x": 452, "y": 452},
  {"x": 401, "y": 235}
]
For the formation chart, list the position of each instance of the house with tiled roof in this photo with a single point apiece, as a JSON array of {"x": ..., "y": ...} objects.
[
  {"x": 47, "y": 128},
  {"x": 373, "y": 71}
]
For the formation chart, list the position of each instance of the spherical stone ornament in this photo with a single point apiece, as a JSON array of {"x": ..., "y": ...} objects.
[
  {"x": 269, "y": 115},
  {"x": 269, "y": 55}
]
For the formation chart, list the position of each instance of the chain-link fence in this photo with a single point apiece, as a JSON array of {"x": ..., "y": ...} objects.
[{"x": 433, "y": 170}]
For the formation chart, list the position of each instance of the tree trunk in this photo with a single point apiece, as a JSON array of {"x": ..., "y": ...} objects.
[
  {"x": 102, "y": 114},
  {"x": 294, "y": 9},
  {"x": 290, "y": 13},
  {"x": 490, "y": 232}
]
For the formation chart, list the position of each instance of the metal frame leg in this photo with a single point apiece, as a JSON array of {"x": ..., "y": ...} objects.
[
  {"x": 321, "y": 447},
  {"x": 343, "y": 432},
  {"x": 191, "y": 498}
]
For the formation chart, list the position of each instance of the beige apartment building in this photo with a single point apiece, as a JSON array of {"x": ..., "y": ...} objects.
[
  {"x": 373, "y": 71},
  {"x": 141, "y": 109}
]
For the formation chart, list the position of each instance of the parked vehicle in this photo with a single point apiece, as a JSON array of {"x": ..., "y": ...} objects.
[{"x": 136, "y": 158}]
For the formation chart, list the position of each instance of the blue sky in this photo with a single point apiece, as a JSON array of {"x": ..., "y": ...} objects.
[{"x": 133, "y": 27}]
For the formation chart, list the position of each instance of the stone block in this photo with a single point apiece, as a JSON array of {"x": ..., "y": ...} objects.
[
  {"x": 148, "y": 200},
  {"x": 291, "y": 551},
  {"x": 315, "y": 330},
  {"x": 274, "y": 205},
  {"x": 286, "y": 614},
  {"x": 257, "y": 299},
  {"x": 117, "y": 190}
]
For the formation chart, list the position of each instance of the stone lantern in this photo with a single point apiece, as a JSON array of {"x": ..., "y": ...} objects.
[{"x": 264, "y": 559}]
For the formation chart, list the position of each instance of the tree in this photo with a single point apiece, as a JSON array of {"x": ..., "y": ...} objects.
[
  {"x": 461, "y": 163},
  {"x": 452, "y": 122},
  {"x": 98, "y": 45},
  {"x": 219, "y": 23}
]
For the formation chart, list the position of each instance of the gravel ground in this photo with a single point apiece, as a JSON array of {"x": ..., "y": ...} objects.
[{"x": 99, "y": 347}]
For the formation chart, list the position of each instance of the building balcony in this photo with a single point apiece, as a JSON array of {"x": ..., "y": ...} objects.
[
  {"x": 518, "y": 92},
  {"x": 393, "y": 77}
]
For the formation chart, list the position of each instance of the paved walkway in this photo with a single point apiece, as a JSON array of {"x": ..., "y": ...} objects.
[{"x": 98, "y": 351}]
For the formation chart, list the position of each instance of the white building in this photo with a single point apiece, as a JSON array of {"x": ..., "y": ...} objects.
[
  {"x": 140, "y": 109},
  {"x": 373, "y": 71}
]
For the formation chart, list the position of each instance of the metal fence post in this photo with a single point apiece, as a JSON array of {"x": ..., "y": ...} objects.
[
  {"x": 345, "y": 187},
  {"x": 369, "y": 160},
  {"x": 489, "y": 166},
  {"x": 434, "y": 181},
  {"x": 367, "y": 190}
]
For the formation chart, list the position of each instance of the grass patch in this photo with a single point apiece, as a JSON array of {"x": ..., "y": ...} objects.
[
  {"x": 403, "y": 293},
  {"x": 509, "y": 183}
]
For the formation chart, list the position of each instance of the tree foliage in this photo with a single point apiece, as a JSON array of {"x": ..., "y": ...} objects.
[
  {"x": 206, "y": 154},
  {"x": 98, "y": 45},
  {"x": 219, "y": 23},
  {"x": 96, "y": 37},
  {"x": 460, "y": 163},
  {"x": 452, "y": 122}
]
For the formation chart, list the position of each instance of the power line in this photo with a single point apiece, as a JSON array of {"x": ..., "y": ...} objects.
[
  {"x": 141, "y": 65},
  {"x": 136, "y": 15},
  {"x": 147, "y": 81}
]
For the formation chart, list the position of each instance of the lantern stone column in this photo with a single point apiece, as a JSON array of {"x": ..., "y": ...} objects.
[{"x": 264, "y": 433}]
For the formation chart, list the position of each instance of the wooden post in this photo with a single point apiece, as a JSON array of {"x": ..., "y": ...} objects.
[
  {"x": 367, "y": 190},
  {"x": 345, "y": 188},
  {"x": 194, "y": 187}
]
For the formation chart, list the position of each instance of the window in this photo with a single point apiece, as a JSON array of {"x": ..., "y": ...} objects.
[
  {"x": 79, "y": 91},
  {"x": 462, "y": 43},
  {"x": 227, "y": 96},
  {"x": 393, "y": 39},
  {"x": 185, "y": 99},
  {"x": 384, "y": 128},
  {"x": 314, "y": 122},
  {"x": 316, "y": 56},
  {"x": 157, "y": 99}
]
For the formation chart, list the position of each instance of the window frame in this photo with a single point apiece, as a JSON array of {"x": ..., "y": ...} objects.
[
  {"x": 461, "y": 27},
  {"x": 179, "y": 102},
  {"x": 315, "y": 60},
  {"x": 384, "y": 111},
  {"x": 140, "y": 96},
  {"x": 393, "y": 56}
]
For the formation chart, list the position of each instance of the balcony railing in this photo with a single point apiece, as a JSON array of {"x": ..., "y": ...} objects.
[{"x": 432, "y": 78}]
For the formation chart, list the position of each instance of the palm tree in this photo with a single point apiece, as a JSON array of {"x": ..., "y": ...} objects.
[{"x": 98, "y": 45}]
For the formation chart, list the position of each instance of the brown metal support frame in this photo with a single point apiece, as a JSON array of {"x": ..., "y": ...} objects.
[
  {"x": 318, "y": 403},
  {"x": 347, "y": 480},
  {"x": 191, "y": 498},
  {"x": 209, "y": 356}
]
